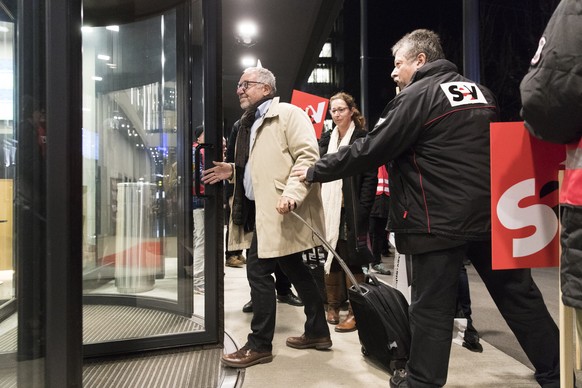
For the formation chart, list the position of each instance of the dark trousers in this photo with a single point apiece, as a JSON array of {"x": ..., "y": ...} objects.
[
  {"x": 378, "y": 237},
  {"x": 435, "y": 277},
  {"x": 282, "y": 282},
  {"x": 464, "y": 301},
  {"x": 259, "y": 274}
]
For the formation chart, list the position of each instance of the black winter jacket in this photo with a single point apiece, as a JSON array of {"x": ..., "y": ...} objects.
[
  {"x": 434, "y": 138},
  {"x": 551, "y": 91},
  {"x": 551, "y": 94}
]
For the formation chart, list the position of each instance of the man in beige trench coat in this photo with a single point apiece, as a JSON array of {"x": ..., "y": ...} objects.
[{"x": 274, "y": 137}]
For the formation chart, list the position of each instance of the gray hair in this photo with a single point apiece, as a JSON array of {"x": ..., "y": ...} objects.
[
  {"x": 265, "y": 76},
  {"x": 420, "y": 41}
]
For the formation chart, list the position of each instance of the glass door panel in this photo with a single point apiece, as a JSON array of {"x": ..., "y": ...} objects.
[{"x": 137, "y": 272}]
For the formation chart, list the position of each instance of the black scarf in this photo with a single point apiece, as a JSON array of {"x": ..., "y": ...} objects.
[
  {"x": 243, "y": 211},
  {"x": 241, "y": 155}
]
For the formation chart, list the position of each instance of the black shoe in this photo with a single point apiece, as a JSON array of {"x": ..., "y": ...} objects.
[
  {"x": 471, "y": 339},
  {"x": 473, "y": 346},
  {"x": 398, "y": 379},
  {"x": 248, "y": 308},
  {"x": 291, "y": 299}
]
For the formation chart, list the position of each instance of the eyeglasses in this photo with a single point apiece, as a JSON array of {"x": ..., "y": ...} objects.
[
  {"x": 338, "y": 110},
  {"x": 247, "y": 84}
]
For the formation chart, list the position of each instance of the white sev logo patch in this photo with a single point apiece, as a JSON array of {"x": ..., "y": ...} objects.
[{"x": 463, "y": 93}]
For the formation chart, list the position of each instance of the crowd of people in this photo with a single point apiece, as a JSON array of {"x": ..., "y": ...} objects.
[{"x": 432, "y": 144}]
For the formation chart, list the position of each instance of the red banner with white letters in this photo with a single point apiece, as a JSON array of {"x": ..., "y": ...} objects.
[
  {"x": 524, "y": 198},
  {"x": 314, "y": 106}
]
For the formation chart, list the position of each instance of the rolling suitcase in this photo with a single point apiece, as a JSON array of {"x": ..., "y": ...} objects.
[{"x": 381, "y": 313}]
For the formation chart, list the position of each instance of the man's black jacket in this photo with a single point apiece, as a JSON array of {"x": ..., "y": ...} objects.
[{"x": 434, "y": 139}]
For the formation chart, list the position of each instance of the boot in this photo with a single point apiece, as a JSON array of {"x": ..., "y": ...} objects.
[
  {"x": 349, "y": 324},
  {"x": 333, "y": 283}
]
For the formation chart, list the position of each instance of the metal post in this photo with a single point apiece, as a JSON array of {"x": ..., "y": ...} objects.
[
  {"x": 364, "y": 57},
  {"x": 471, "y": 68},
  {"x": 64, "y": 328}
]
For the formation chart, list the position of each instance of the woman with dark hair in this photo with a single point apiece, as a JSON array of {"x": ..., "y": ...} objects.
[{"x": 347, "y": 203}]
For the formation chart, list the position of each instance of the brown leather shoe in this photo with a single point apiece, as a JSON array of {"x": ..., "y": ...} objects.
[
  {"x": 234, "y": 261},
  {"x": 332, "y": 316},
  {"x": 347, "y": 325},
  {"x": 303, "y": 342},
  {"x": 245, "y": 357}
]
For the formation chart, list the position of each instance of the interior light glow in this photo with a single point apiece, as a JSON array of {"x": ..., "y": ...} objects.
[
  {"x": 112, "y": 28},
  {"x": 247, "y": 28},
  {"x": 248, "y": 61},
  {"x": 246, "y": 32},
  {"x": 103, "y": 57}
]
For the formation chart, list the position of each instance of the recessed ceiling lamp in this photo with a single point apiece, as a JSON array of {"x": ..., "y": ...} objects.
[
  {"x": 246, "y": 33},
  {"x": 248, "y": 61}
]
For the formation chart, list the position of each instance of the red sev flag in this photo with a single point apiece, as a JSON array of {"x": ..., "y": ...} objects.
[
  {"x": 524, "y": 198},
  {"x": 314, "y": 106}
]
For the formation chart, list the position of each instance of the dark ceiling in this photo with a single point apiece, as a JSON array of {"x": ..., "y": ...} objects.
[{"x": 290, "y": 37}]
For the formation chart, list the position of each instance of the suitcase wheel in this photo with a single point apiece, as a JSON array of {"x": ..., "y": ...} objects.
[{"x": 364, "y": 351}]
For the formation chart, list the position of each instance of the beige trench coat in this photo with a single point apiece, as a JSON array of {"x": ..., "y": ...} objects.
[{"x": 285, "y": 139}]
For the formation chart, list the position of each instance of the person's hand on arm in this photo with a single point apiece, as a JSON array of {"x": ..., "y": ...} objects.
[
  {"x": 219, "y": 172},
  {"x": 300, "y": 172}
]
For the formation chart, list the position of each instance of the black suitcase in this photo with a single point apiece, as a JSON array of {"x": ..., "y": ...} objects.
[{"x": 381, "y": 313}]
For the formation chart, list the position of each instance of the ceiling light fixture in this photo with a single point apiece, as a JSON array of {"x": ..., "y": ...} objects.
[
  {"x": 248, "y": 61},
  {"x": 246, "y": 32}
]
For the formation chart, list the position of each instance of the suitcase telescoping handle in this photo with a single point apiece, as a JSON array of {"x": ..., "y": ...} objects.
[{"x": 328, "y": 246}]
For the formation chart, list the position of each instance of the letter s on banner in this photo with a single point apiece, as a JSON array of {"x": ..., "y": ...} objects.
[
  {"x": 541, "y": 216},
  {"x": 524, "y": 176}
]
